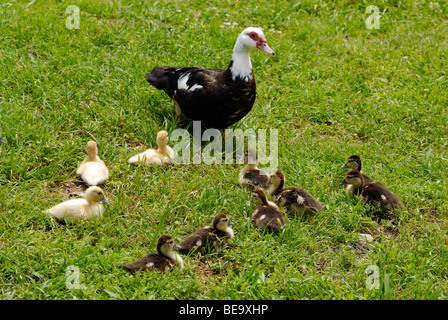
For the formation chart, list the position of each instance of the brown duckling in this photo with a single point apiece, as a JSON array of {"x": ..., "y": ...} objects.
[
  {"x": 267, "y": 215},
  {"x": 251, "y": 176},
  {"x": 207, "y": 238},
  {"x": 354, "y": 162},
  {"x": 373, "y": 193},
  {"x": 165, "y": 259},
  {"x": 292, "y": 198}
]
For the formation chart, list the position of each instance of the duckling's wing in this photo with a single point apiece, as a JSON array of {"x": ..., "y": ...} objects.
[
  {"x": 73, "y": 209},
  {"x": 269, "y": 217},
  {"x": 199, "y": 241},
  {"x": 296, "y": 197},
  {"x": 94, "y": 173},
  {"x": 190, "y": 244},
  {"x": 152, "y": 261},
  {"x": 377, "y": 193},
  {"x": 150, "y": 156}
]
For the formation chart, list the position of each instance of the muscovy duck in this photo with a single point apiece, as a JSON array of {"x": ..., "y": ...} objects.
[{"x": 217, "y": 98}]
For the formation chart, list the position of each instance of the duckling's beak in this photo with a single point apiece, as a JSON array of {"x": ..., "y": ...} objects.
[
  {"x": 344, "y": 166},
  {"x": 230, "y": 223},
  {"x": 104, "y": 200},
  {"x": 269, "y": 182},
  {"x": 343, "y": 182},
  {"x": 176, "y": 246},
  {"x": 2, "y": 141}
]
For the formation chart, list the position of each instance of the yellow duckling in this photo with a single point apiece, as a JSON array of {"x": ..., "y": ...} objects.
[
  {"x": 163, "y": 155},
  {"x": 92, "y": 170},
  {"x": 76, "y": 209}
]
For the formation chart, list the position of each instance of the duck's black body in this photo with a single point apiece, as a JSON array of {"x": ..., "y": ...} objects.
[{"x": 209, "y": 95}]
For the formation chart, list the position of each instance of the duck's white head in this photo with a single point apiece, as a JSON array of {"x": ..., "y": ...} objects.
[
  {"x": 253, "y": 38},
  {"x": 96, "y": 195}
]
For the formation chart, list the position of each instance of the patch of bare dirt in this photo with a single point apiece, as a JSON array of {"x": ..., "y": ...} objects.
[{"x": 68, "y": 188}]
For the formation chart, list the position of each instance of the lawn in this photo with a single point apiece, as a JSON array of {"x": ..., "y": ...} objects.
[{"x": 333, "y": 89}]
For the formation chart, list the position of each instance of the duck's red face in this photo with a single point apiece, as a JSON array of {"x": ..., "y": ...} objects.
[{"x": 261, "y": 42}]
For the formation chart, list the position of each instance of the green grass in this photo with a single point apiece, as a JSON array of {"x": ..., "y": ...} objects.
[{"x": 333, "y": 89}]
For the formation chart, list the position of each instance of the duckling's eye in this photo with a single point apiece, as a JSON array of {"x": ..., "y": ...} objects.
[
  {"x": 99, "y": 192},
  {"x": 252, "y": 35}
]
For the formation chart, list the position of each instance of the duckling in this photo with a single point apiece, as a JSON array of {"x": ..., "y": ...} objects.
[
  {"x": 164, "y": 260},
  {"x": 266, "y": 215},
  {"x": 251, "y": 176},
  {"x": 354, "y": 162},
  {"x": 209, "y": 237},
  {"x": 373, "y": 193},
  {"x": 92, "y": 170},
  {"x": 162, "y": 156},
  {"x": 76, "y": 209},
  {"x": 292, "y": 198}
]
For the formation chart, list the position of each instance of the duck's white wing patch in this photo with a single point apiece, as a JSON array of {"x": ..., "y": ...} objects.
[
  {"x": 196, "y": 86},
  {"x": 182, "y": 83},
  {"x": 300, "y": 199}
]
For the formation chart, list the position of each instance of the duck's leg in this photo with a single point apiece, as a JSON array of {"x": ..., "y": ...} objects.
[{"x": 178, "y": 111}]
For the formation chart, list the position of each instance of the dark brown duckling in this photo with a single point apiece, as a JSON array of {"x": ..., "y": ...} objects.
[
  {"x": 267, "y": 215},
  {"x": 208, "y": 238},
  {"x": 354, "y": 162},
  {"x": 373, "y": 193},
  {"x": 292, "y": 198},
  {"x": 165, "y": 259},
  {"x": 251, "y": 176}
]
